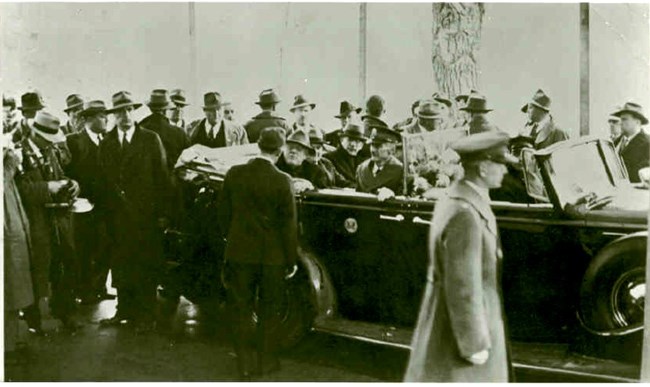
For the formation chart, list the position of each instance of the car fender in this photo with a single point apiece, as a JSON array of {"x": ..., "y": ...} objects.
[{"x": 323, "y": 296}]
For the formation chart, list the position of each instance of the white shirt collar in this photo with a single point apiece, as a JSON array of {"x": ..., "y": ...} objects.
[
  {"x": 483, "y": 192},
  {"x": 129, "y": 134},
  {"x": 94, "y": 137},
  {"x": 208, "y": 126}
]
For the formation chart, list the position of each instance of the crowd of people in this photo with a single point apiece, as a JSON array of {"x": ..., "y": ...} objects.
[{"x": 126, "y": 173}]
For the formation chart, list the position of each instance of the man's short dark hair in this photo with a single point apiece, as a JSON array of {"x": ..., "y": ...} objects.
[{"x": 375, "y": 105}]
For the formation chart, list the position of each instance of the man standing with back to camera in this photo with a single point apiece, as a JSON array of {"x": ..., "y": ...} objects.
[
  {"x": 257, "y": 216},
  {"x": 460, "y": 332}
]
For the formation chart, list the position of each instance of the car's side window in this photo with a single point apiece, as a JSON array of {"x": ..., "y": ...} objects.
[{"x": 533, "y": 177}]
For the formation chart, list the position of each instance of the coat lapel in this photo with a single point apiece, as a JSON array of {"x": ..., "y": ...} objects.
[
  {"x": 545, "y": 132},
  {"x": 464, "y": 192},
  {"x": 132, "y": 149}
]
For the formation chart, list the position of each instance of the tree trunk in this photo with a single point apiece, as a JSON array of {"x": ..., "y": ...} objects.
[{"x": 456, "y": 41}]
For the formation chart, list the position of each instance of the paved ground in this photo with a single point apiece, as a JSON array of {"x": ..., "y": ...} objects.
[{"x": 189, "y": 351}]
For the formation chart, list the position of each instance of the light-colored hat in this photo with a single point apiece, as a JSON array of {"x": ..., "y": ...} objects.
[{"x": 47, "y": 126}]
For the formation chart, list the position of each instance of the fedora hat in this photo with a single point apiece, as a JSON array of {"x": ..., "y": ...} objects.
[
  {"x": 121, "y": 100},
  {"x": 346, "y": 109},
  {"x": 212, "y": 100},
  {"x": 268, "y": 97},
  {"x": 634, "y": 109},
  {"x": 381, "y": 134},
  {"x": 427, "y": 110},
  {"x": 300, "y": 101},
  {"x": 353, "y": 131},
  {"x": 47, "y": 126},
  {"x": 464, "y": 97},
  {"x": 8, "y": 101},
  {"x": 300, "y": 138},
  {"x": 93, "y": 107},
  {"x": 178, "y": 97},
  {"x": 271, "y": 138},
  {"x": 541, "y": 100},
  {"x": 491, "y": 145},
  {"x": 442, "y": 99},
  {"x": 74, "y": 101},
  {"x": 159, "y": 99},
  {"x": 476, "y": 103},
  {"x": 31, "y": 101}
]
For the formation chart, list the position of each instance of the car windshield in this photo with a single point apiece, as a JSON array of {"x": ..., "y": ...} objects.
[{"x": 578, "y": 171}]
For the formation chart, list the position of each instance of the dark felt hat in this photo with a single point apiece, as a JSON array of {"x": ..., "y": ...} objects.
[
  {"x": 381, "y": 134},
  {"x": 353, "y": 131},
  {"x": 442, "y": 99},
  {"x": 541, "y": 100},
  {"x": 346, "y": 109},
  {"x": 300, "y": 101},
  {"x": 634, "y": 109},
  {"x": 9, "y": 101},
  {"x": 212, "y": 100},
  {"x": 427, "y": 110},
  {"x": 178, "y": 97},
  {"x": 271, "y": 138},
  {"x": 159, "y": 99},
  {"x": 31, "y": 101},
  {"x": 476, "y": 103},
  {"x": 300, "y": 138},
  {"x": 93, "y": 107},
  {"x": 268, "y": 97},
  {"x": 491, "y": 145},
  {"x": 74, "y": 101},
  {"x": 464, "y": 97},
  {"x": 121, "y": 100}
]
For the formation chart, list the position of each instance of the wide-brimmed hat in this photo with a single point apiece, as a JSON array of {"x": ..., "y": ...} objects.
[
  {"x": 8, "y": 101},
  {"x": 381, "y": 134},
  {"x": 442, "y": 99},
  {"x": 121, "y": 100},
  {"x": 300, "y": 101},
  {"x": 268, "y": 97},
  {"x": 47, "y": 126},
  {"x": 271, "y": 138},
  {"x": 159, "y": 99},
  {"x": 541, "y": 100},
  {"x": 31, "y": 101},
  {"x": 491, "y": 145},
  {"x": 300, "y": 138},
  {"x": 93, "y": 107},
  {"x": 613, "y": 118},
  {"x": 353, "y": 131},
  {"x": 634, "y": 109},
  {"x": 177, "y": 96},
  {"x": 464, "y": 97},
  {"x": 427, "y": 110},
  {"x": 346, "y": 109},
  {"x": 212, "y": 100},
  {"x": 74, "y": 101},
  {"x": 476, "y": 103}
]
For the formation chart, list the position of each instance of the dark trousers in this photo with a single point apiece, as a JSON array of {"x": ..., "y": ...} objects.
[
  {"x": 63, "y": 278},
  {"x": 93, "y": 252},
  {"x": 137, "y": 301},
  {"x": 255, "y": 290}
]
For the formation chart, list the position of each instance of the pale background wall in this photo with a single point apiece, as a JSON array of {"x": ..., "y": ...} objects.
[{"x": 96, "y": 49}]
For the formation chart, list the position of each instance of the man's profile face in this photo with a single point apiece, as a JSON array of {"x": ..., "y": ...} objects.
[
  {"x": 294, "y": 154},
  {"x": 535, "y": 114},
  {"x": 302, "y": 114},
  {"x": 381, "y": 152},
  {"x": 6, "y": 113},
  {"x": 629, "y": 124},
  {"x": 74, "y": 117},
  {"x": 124, "y": 118},
  {"x": 29, "y": 113},
  {"x": 229, "y": 113},
  {"x": 614, "y": 128},
  {"x": 175, "y": 114},
  {"x": 96, "y": 123},
  {"x": 351, "y": 145},
  {"x": 213, "y": 115}
]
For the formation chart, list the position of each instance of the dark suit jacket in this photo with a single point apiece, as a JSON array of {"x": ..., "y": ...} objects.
[
  {"x": 636, "y": 155},
  {"x": 137, "y": 189},
  {"x": 173, "y": 138},
  {"x": 391, "y": 176},
  {"x": 84, "y": 166},
  {"x": 233, "y": 134},
  {"x": 308, "y": 171},
  {"x": 549, "y": 134},
  {"x": 345, "y": 164},
  {"x": 257, "y": 214},
  {"x": 369, "y": 121},
  {"x": 264, "y": 120}
]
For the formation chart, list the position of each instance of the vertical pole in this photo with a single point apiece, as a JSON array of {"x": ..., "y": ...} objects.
[
  {"x": 363, "y": 84},
  {"x": 281, "y": 86},
  {"x": 193, "y": 87},
  {"x": 645, "y": 356},
  {"x": 584, "y": 69}
]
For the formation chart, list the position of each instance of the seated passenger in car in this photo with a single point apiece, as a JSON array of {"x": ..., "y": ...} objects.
[
  {"x": 348, "y": 155},
  {"x": 383, "y": 173},
  {"x": 334, "y": 178},
  {"x": 294, "y": 161}
]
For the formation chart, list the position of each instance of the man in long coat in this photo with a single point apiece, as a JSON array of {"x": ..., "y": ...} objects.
[
  {"x": 135, "y": 181},
  {"x": 257, "y": 216},
  {"x": 541, "y": 126},
  {"x": 268, "y": 118},
  {"x": 460, "y": 333},
  {"x": 633, "y": 147}
]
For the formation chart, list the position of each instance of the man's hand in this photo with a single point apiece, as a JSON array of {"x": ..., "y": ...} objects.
[
  {"x": 291, "y": 272},
  {"x": 73, "y": 189},
  {"x": 302, "y": 185},
  {"x": 55, "y": 186},
  {"x": 479, "y": 358},
  {"x": 385, "y": 193}
]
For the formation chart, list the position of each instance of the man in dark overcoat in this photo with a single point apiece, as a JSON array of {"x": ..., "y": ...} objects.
[
  {"x": 382, "y": 173},
  {"x": 30, "y": 103},
  {"x": 74, "y": 105},
  {"x": 91, "y": 234},
  {"x": 375, "y": 109},
  {"x": 347, "y": 156},
  {"x": 541, "y": 126},
  {"x": 348, "y": 113},
  {"x": 135, "y": 181},
  {"x": 214, "y": 131},
  {"x": 634, "y": 146},
  {"x": 477, "y": 109},
  {"x": 296, "y": 162},
  {"x": 460, "y": 332},
  {"x": 268, "y": 118},
  {"x": 257, "y": 216}
]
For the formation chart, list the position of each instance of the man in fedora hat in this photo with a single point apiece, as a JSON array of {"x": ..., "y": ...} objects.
[
  {"x": 347, "y": 157},
  {"x": 443, "y": 108},
  {"x": 213, "y": 131},
  {"x": 9, "y": 119},
  {"x": 477, "y": 108},
  {"x": 428, "y": 119},
  {"x": 135, "y": 186},
  {"x": 176, "y": 114},
  {"x": 301, "y": 110},
  {"x": 634, "y": 146},
  {"x": 257, "y": 218},
  {"x": 91, "y": 233},
  {"x": 347, "y": 113},
  {"x": 267, "y": 101},
  {"x": 334, "y": 178},
  {"x": 615, "y": 133},
  {"x": 382, "y": 173},
  {"x": 541, "y": 126},
  {"x": 408, "y": 121},
  {"x": 173, "y": 137},
  {"x": 46, "y": 192},
  {"x": 74, "y": 104},
  {"x": 375, "y": 109},
  {"x": 460, "y": 332},
  {"x": 295, "y": 160},
  {"x": 30, "y": 103},
  {"x": 463, "y": 115}
]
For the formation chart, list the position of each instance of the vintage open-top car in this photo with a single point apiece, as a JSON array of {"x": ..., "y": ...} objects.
[{"x": 574, "y": 254}]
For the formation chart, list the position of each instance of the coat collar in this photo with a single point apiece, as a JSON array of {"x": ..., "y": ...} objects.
[
  {"x": 466, "y": 193},
  {"x": 544, "y": 132}
]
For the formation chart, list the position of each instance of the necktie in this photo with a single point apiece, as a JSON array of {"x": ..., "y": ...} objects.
[
  {"x": 212, "y": 134},
  {"x": 125, "y": 141}
]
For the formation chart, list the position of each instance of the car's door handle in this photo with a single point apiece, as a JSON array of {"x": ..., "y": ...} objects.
[
  {"x": 418, "y": 220},
  {"x": 396, "y": 218}
]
